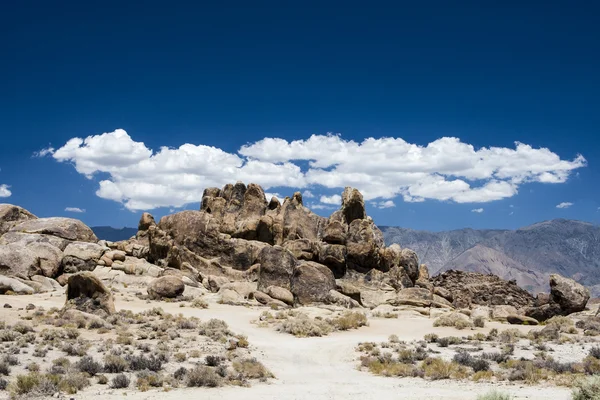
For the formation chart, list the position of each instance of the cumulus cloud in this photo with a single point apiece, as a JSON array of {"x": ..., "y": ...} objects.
[
  {"x": 565, "y": 204},
  {"x": 317, "y": 206},
  {"x": 44, "y": 152},
  {"x": 308, "y": 194},
  {"x": 75, "y": 209},
  {"x": 384, "y": 204},
  {"x": 335, "y": 199},
  {"x": 382, "y": 169},
  {"x": 477, "y": 210},
  {"x": 4, "y": 192}
]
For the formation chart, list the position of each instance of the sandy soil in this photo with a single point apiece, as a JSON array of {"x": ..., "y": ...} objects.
[{"x": 306, "y": 368}]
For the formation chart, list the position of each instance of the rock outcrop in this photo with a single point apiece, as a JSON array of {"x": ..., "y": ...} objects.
[
  {"x": 85, "y": 292},
  {"x": 11, "y": 215},
  {"x": 566, "y": 297}
]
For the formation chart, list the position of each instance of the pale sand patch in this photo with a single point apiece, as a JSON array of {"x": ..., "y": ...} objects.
[{"x": 306, "y": 368}]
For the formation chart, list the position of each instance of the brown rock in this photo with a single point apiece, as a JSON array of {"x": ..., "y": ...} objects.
[
  {"x": 146, "y": 221},
  {"x": 281, "y": 294},
  {"x": 166, "y": 287},
  {"x": 515, "y": 319},
  {"x": 353, "y": 205},
  {"x": 569, "y": 295},
  {"x": 311, "y": 282},
  {"x": 85, "y": 292},
  {"x": 334, "y": 257},
  {"x": 276, "y": 268}
]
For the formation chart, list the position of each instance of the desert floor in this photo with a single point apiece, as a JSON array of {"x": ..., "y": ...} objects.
[{"x": 305, "y": 368}]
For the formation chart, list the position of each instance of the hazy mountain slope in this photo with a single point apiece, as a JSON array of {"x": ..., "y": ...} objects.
[
  {"x": 113, "y": 234},
  {"x": 571, "y": 248},
  {"x": 485, "y": 260},
  {"x": 436, "y": 249}
]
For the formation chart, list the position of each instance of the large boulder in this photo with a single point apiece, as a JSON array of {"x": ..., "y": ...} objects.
[
  {"x": 81, "y": 256},
  {"x": 353, "y": 205},
  {"x": 334, "y": 257},
  {"x": 569, "y": 295},
  {"x": 14, "y": 285},
  {"x": 146, "y": 221},
  {"x": 363, "y": 244},
  {"x": 166, "y": 287},
  {"x": 11, "y": 215},
  {"x": 311, "y": 282},
  {"x": 276, "y": 268},
  {"x": 25, "y": 239},
  {"x": 66, "y": 228},
  {"x": 85, "y": 292},
  {"x": 25, "y": 259},
  {"x": 281, "y": 294}
]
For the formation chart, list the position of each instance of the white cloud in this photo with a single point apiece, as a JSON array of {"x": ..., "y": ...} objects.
[
  {"x": 384, "y": 204},
  {"x": 4, "y": 192},
  {"x": 308, "y": 194},
  {"x": 75, "y": 209},
  {"x": 382, "y": 169},
  {"x": 315, "y": 206},
  {"x": 511, "y": 213},
  {"x": 477, "y": 210},
  {"x": 44, "y": 152},
  {"x": 268, "y": 196},
  {"x": 335, "y": 199},
  {"x": 565, "y": 204}
]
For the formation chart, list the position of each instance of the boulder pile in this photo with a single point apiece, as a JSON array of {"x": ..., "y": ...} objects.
[{"x": 250, "y": 248}]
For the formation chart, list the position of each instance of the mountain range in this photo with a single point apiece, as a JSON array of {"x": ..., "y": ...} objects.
[{"x": 528, "y": 255}]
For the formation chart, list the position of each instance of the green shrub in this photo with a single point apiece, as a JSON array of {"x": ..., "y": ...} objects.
[{"x": 587, "y": 389}]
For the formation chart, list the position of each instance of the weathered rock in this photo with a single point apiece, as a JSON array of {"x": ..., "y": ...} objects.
[
  {"x": 502, "y": 312},
  {"x": 353, "y": 205},
  {"x": 146, "y": 221},
  {"x": 542, "y": 299},
  {"x": 214, "y": 283},
  {"x": 335, "y": 232},
  {"x": 372, "y": 298},
  {"x": 337, "y": 298},
  {"x": 229, "y": 296},
  {"x": 261, "y": 297},
  {"x": 348, "y": 289},
  {"x": 281, "y": 294},
  {"x": 138, "y": 267},
  {"x": 166, "y": 287},
  {"x": 302, "y": 249},
  {"x": 276, "y": 268},
  {"x": 81, "y": 256},
  {"x": 48, "y": 284},
  {"x": 66, "y": 228},
  {"x": 363, "y": 244},
  {"x": 311, "y": 282},
  {"x": 515, "y": 319},
  {"x": 423, "y": 273},
  {"x": 14, "y": 285},
  {"x": 417, "y": 297},
  {"x": 445, "y": 293},
  {"x": 473, "y": 288},
  {"x": 18, "y": 261},
  {"x": 244, "y": 289},
  {"x": 116, "y": 255},
  {"x": 543, "y": 312},
  {"x": 569, "y": 295},
  {"x": 410, "y": 262},
  {"x": 334, "y": 257},
  {"x": 85, "y": 292},
  {"x": 26, "y": 239},
  {"x": 11, "y": 215}
]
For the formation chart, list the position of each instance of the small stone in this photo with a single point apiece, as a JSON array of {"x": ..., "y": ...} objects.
[
  {"x": 7, "y": 305},
  {"x": 30, "y": 307}
]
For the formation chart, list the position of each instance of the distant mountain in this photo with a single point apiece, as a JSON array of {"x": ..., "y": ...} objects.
[
  {"x": 529, "y": 255},
  {"x": 113, "y": 234}
]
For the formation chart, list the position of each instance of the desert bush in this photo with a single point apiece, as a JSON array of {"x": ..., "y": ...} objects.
[
  {"x": 72, "y": 383},
  {"x": 71, "y": 333},
  {"x": 114, "y": 364},
  {"x": 8, "y": 335},
  {"x": 510, "y": 335},
  {"x": 594, "y": 352},
  {"x": 203, "y": 376},
  {"x": 466, "y": 359},
  {"x": 251, "y": 368},
  {"x": 587, "y": 389},
  {"x": 448, "y": 341},
  {"x": 10, "y": 359},
  {"x": 303, "y": 326},
  {"x": 479, "y": 322},
  {"x": 25, "y": 384},
  {"x": 437, "y": 368},
  {"x": 591, "y": 365},
  {"x": 120, "y": 381},
  {"x": 494, "y": 395},
  {"x": 482, "y": 376},
  {"x": 3, "y": 384},
  {"x": 431, "y": 338},
  {"x": 199, "y": 302},
  {"x": 180, "y": 373},
  {"x": 454, "y": 319},
  {"x": 22, "y": 328},
  {"x": 89, "y": 365},
  {"x": 140, "y": 362},
  {"x": 4, "y": 368},
  {"x": 349, "y": 320},
  {"x": 213, "y": 361},
  {"x": 33, "y": 367},
  {"x": 215, "y": 329}
]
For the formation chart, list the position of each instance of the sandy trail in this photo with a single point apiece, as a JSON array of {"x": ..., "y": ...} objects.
[{"x": 311, "y": 368}]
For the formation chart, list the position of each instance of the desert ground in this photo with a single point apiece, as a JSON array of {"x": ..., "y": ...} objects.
[{"x": 316, "y": 367}]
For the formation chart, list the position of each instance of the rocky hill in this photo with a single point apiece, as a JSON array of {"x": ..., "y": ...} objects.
[{"x": 530, "y": 254}]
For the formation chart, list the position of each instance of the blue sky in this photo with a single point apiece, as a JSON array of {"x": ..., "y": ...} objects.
[{"x": 206, "y": 80}]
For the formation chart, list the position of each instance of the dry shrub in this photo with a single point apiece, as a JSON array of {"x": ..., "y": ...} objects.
[
  {"x": 250, "y": 368},
  {"x": 454, "y": 319},
  {"x": 202, "y": 376},
  {"x": 587, "y": 389},
  {"x": 350, "y": 320},
  {"x": 120, "y": 381},
  {"x": 304, "y": 326},
  {"x": 494, "y": 395},
  {"x": 437, "y": 368}
]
